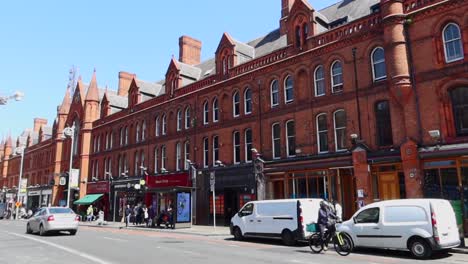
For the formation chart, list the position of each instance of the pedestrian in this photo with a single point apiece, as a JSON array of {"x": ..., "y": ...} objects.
[
  {"x": 128, "y": 215},
  {"x": 338, "y": 211},
  {"x": 145, "y": 215},
  {"x": 89, "y": 213},
  {"x": 134, "y": 214},
  {"x": 152, "y": 215},
  {"x": 170, "y": 212}
]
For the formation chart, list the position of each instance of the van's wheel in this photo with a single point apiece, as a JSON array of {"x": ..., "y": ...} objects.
[
  {"x": 420, "y": 249},
  {"x": 28, "y": 229},
  {"x": 238, "y": 234},
  {"x": 288, "y": 238},
  {"x": 42, "y": 231}
]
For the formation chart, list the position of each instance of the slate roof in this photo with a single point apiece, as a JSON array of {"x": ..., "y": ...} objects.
[
  {"x": 353, "y": 9},
  {"x": 117, "y": 101},
  {"x": 148, "y": 87}
]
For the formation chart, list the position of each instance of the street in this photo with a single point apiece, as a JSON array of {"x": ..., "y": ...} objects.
[{"x": 106, "y": 245}]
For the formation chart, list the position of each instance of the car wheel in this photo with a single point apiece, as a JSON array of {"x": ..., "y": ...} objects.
[
  {"x": 42, "y": 231},
  {"x": 288, "y": 238},
  {"x": 420, "y": 249},
  {"x": 238, "y": 234},
  {"x": 73, "y": 232},
  {"x": 28, "y": 229}
]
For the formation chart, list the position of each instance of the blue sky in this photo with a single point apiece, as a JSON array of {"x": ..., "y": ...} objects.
[{"x": 41, "y": 40}]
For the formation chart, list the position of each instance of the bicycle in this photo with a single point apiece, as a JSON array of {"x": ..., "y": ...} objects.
[{"x": 342, "y": 244}]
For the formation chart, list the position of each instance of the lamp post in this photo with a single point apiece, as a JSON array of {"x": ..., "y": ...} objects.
[
  {"x": 193, "y": 176},
  {"x": 19, "y": 151},
  {"x": 70, "y": 132},
  {"x": 18, "y": 96}
]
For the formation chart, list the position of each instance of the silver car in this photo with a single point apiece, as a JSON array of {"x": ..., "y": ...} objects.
[{"x": 51, "y": 219}]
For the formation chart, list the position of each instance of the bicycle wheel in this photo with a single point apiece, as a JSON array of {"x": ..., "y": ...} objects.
[
  {"x": 342, "y": 244},
  {"x": 315, "y": 243}
]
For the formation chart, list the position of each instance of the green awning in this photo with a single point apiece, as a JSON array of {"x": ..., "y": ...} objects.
[{"x": 88, "y": 199}]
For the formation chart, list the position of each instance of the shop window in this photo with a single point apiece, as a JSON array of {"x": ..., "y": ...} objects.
[
  {"x": 441, "y": 183},
  {"x": 219, "y": 203},
  {"x": 460, "y": 110},
  {"x": 383, "y": 124},
  {"x": 453, "y": 46}
]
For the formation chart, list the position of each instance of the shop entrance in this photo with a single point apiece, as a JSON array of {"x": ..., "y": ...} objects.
[{"x": 389, "y": 187}]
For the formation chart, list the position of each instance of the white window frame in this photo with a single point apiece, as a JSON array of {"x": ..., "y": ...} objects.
[
  {"x": 460, "y": 41},
  {"x": 157, "y": 128},
  {"x": 247, "y": 101},
  {"x": 374, "y": 63},
  {"x": 178, "y": 156},
  {"x": 206, "y": 113},
  {"x": 246, "y": 150},
  {"x": 143, "y": 131},
  {"x": 273, "y": 140},
  {"x": 156, "y": 150},
  {"x": 179, "y": 120},
  {"x": 336, "y": 128},
  {"x": 215, "y": 110},
  {"x": 286, "y": 88},
  {"x": 186, "y": 154},
  {"x": 126, "y": 135},
  {"x": 316, "y": 81},
  {"x": 136, "y": 162},
  {"x": 321, "y": 131},
  {"x": 206, "y": 151},
  {"x": 163, "y": 158},
  {"x": 235, "y": 146},
  {"x": 187, "y": 117},
  {"x": 288, "y": 136},
  {"x": 142, "y": 163},
  {"x": 137, "y": 134},
  {"x": 235, "y": 103},
  {"x": 164, "y": 125},
  {"x": 333, "y": 75},
  {"x": 273, "y": 92},
  {"x": 215, "y": 149}
]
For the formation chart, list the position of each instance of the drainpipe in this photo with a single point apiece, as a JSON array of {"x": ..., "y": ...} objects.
[{"x": 356, "y": 91}]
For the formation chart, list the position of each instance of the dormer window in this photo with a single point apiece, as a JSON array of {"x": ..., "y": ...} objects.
[{"x": 375, "y": 8}]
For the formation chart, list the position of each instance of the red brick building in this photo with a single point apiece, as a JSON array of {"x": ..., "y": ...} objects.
[{"x": 364, "y": 100}]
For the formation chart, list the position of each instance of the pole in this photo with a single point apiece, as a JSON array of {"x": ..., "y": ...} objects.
[
  {"x": 72, "y": 136},
  {"x": 214, "y": 208},
  {"x": 114, "y": 209},
  {"x": 19, "y": 184}
]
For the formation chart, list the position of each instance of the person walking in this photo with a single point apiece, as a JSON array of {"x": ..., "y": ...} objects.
[
  {"x": 90, "y": 213},
  {"x": 152, "y": 216},
  {"x": 128, "y": 215},
  {"x": 145, "y": 215}
]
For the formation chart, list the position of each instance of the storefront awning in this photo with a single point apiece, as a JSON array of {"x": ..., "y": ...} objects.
[{"x": 88, "y": 199}]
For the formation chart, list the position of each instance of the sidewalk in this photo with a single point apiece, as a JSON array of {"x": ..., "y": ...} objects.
[
  {"x": 194, "y": 230},
  {"x": 463, "y": 250}
]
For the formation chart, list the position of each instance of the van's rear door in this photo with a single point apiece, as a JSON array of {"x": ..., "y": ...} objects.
[{"x": 446, "y": 222}]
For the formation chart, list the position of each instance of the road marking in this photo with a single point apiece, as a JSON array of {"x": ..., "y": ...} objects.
[
  {"x": 69, "y": 250},
  {"x": 191, "y": 252},
  {"x": 234, "y": 245},
  {"x": 115, "y": 239}
]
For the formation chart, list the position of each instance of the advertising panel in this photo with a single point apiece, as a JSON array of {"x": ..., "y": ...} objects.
[{"x": 183, "y": 207}]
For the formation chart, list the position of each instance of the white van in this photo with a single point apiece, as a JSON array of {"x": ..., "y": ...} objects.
[
  {"x": 284, "y": 219},
  {"x": 418, "y": 225}
]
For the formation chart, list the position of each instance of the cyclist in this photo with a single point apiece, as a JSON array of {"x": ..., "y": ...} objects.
[{"x": 326, "y": 220}]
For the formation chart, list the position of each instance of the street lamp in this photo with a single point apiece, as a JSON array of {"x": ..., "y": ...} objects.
[
  {"x": 19, "y": 151},
  {"x": 69, "y": 132},
  {"x": 17, "y": 96}
]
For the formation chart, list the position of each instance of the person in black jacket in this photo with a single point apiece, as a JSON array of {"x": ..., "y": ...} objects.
[
  {"x": 128, "y": 215},
  {"x": 326, "y": 220}
]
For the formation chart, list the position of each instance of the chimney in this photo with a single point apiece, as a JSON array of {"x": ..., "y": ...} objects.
[
  {"x": 189, "y": 50},
  {"x": 125, "y": 79},
  {"x": 38, "y": 123},
  {"x": 285, "y": 8}
]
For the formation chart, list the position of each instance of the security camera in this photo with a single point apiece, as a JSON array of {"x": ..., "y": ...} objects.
[
  {"x": 143, "y": 168},
  {"x": 163, "y": 170},
  {"x": 435, "y": 134},
  {"x": 95, "y": 179},
  {"x": 219, "y": 163},
  {"x": 188, "y": 161},
  {"x": 354, "y": 136},
  {"x": 254, "y": 150}
]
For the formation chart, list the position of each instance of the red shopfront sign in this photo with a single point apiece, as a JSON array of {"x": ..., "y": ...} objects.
[
  {"x": 167, "y": 181},
  {"x": 97, "y": 187}
]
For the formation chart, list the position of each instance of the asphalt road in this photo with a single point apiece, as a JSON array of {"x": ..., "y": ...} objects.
[{"x": 104, "y": 245}]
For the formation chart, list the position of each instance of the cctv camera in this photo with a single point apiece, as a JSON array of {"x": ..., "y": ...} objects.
[
  {"x": 435, "y": 134},
  {"x": 188, "y": 161},
  {"x": 354, "y": 136},
  {"x": 254, "y": 150}
]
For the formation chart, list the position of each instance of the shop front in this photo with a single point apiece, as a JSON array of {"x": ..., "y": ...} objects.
[
  {"x": 125, "y": 192},
  {"x": 171, "y": 190},
  {"x": 38, "y": 197},
  {"x": 97, "y": 194}
]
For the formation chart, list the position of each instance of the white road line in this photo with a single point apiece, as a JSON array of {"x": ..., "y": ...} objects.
[
  {"x": 115, "y": 239},
  {"x": 234, "y": 246},
  {"x": 191, "y": 252},
  {"x": 69, "y": 250}
]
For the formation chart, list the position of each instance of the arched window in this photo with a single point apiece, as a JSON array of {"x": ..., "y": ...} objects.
[
  {"x": 215, "y": 110},
  {"x": 142, "y": 163},
  {"x": 288, "y": 90},
  {"x": 215, "y": 149},
  {"x": 143, "y": 131},
  {"x": 460, "y": 110},
  {"x": 156, "y": 159},
  {"x": 339, "y": 118},
  {"x": 236, "y": 146},
  {"x": 305, "y": 33},
  {"x": 235, "y": 104},
  {"x": 322, "y": 133},
  {"x": 157, "y": 127},
  {"x": 453, "y": 46},
  {"x": 178, "y": 157},
  {"x": 186, "y": 154},
  {"x": 383, "y": 124},
  {"x": 163, "y": 158},
  {"x": 122, "y": 136},
  {"x": 206, "y": 113},
  {"x": 137, "y": 135},
  {"x": 136, "y": 165},
  {"x": 276, "y": 140},
  {"x": 337, "y": 77},
  {"x": 248, "y": 101},
  {"x": 248, "y": 145},
  {"x": 164, "y": 125},
  {"x": 274, "y": 93},
  {"x": 126, "y": 135},
  {"x": 179, "y": 120},
  {"x": 205, "y": 152},
  {"x": 319, "y": 81},
  {"x": 379, "y": 70},
  {"x": 298, "y": 37},
  {"x": 291, "y": 138},
  {"x": 187, "y": 118}
]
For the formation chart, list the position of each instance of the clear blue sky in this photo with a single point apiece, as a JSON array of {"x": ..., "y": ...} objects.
[{"x": 41, "y": 40}]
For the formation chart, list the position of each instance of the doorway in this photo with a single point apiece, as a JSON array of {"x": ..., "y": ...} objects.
[{"x": 389, "y": 186}]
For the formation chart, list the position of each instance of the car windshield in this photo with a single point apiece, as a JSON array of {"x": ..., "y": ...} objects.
[{"x": 60, "y": 211}]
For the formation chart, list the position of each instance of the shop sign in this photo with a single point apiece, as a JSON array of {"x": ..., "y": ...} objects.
[
  {"x": 164, "y": 181},
  {"x": 46, "y": 192},
  {"x": 34, "y": 193},
  {"x": 97, "y": 187},
  {"x": 125, "y": 185}
]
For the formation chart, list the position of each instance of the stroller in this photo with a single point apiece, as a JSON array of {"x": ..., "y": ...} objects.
[{"x": 165, "y": 219}]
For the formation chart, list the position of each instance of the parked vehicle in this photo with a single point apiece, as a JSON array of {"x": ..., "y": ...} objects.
[
  {"x": 282, "y": 219},
  {"x": 418, "y": 225},
  {"x": 54, "y": 219}
]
